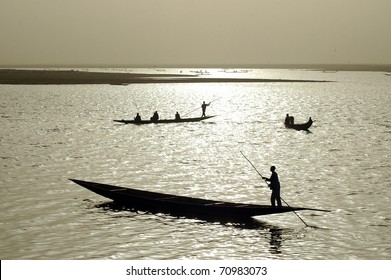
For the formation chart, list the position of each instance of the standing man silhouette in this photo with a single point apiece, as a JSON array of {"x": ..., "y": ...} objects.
[
  {"x": 203, "y": 106},
  {"x": 274, "y": 186}
]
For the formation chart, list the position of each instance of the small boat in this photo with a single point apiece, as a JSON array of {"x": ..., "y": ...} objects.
[
  {"x": 302, "y": 126},
  {"x": 183, "y": 206},
  {"x": 181, "y": 120}
]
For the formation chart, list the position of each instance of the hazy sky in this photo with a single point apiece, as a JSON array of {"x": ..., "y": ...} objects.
[{"x": 156, "y": 32}]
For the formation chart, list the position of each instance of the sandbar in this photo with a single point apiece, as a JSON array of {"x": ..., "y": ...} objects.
[{"x": 49, "y": 77}]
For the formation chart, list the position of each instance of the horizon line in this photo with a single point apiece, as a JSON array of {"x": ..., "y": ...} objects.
[{"x": 315, "y": 66}]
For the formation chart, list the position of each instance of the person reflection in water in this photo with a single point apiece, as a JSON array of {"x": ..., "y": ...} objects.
[
  {"x": 275, "y": 240},
  {"x": 274, "y": 186}
]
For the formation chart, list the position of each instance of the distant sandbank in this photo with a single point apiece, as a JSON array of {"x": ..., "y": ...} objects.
[{"x": 47, "y": 77}]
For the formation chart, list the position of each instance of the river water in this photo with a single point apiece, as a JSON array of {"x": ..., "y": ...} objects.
[{"x": 50, "y": 133}]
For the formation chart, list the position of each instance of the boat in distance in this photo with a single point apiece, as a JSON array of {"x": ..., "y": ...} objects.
[
  {"x": 181, "y": 120},
  {"x": 155, "y": 202},
  {"x": 301, "y": 126}
]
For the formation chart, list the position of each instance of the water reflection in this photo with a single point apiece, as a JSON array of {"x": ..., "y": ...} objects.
[
  {"x": 244, "y": 223},
  {"x": 51, "y": 133},
  {"x": 273, "y": 234},
  {"x": 275, "y": 240}
]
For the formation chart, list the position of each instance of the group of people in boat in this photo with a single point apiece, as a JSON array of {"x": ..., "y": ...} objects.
[{"x": 155, "y": 117}]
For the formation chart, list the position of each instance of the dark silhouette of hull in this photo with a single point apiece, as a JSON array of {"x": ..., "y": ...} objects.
[
  {"x": 302, "y": 126},
  {"x": 183, "y": 206},
  {"x": 184, "y": 120}
]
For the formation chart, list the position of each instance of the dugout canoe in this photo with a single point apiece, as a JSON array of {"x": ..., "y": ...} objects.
[
  {"x": 301, "y": 126},
  {"x": 176, "y": 205},
  {"x": 182, "y": 120}
]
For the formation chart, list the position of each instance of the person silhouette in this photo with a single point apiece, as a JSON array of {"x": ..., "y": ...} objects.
[
  {"x": 203, "y": 106},
  {"x": 137, "y": 119},
  {"x": 275, "y": 187},
  {"x": 287, "y": 119},
  {"x": 155, "y": 117}
]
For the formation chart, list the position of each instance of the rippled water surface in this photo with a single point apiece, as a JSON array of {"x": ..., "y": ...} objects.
[{"x": 55, "y": 132}]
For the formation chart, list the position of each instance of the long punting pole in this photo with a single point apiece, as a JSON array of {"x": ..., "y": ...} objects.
[
  {"x": 266, "y": 183},
  {"x": 199, "y": 107}
]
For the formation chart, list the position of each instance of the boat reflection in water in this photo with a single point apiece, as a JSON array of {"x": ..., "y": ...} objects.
[{"x": 273, "y": 234}]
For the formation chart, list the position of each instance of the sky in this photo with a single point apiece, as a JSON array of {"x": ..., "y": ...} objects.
[{"x": 194, "y": 32}]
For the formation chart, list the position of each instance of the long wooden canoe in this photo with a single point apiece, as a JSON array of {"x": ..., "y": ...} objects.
[
  {"x": 183, "y": 206},
  {"x": 182, "y": 120},
  {"x": 302, "y": 126}
]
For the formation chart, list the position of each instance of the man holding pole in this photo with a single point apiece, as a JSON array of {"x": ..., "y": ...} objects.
[
  {"x": 274, "y": 186},
  {"x": 203, "y": 106}
]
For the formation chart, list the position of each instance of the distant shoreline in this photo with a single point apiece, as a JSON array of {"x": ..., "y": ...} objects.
[
  {"x": 49, "y": 77},
  {"x": 310, "y": 67}
]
